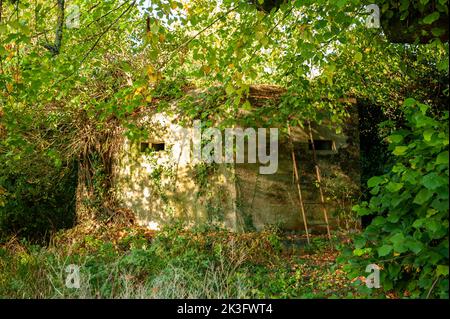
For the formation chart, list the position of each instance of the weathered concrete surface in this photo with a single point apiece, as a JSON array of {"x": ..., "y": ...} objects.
[
  {"x": 161, "y": 187},
  {"x": 273, "y": 199}
]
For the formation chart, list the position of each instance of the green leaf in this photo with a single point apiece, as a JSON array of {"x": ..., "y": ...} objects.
[
  {"x": 379, "y": 220},
  {"x": 394, "y": 187},
  {"x": 388, "y": 284},
  {"x": 395, "y": 138},
  {"x": 423, "y": 196},
  {"x": 384, "y": 250},
  {"x": 400, "y": 150},
  {"x": 361, "y": 210},
  {"x": 154, "y": 28},
  {"x": 442, "y": 158},
  {"x": 411, "y": 176},
  {"x": 442, "y": 65},
  {"x": 374, "y": 181},
  {"x": 341, "y": 3},
  {"x": 437, "y": 32},
  {"x": 440, "y": 205},
  {"x": 433, "y": 181},
  {"x": 409, "y": 102},
  {"x": 358, "y": 56},
  {"x": 399, "y": 242},
  {"x": 397, "y": 238},
  {"x": 442, "y": 270},
  {"x": 360, "y": 242},
  {"x": 359, "y": 252},
  {"x": 393, "y": 217},
  {"x": 433, "y": 226},
  {"x": 229, "y": 89},
  {"x": 423, "y": 108},
  {"x": 419, "y": 222},
  {"x": 264, "y": 41},
  {"x": 427, "y": 135},
  {"x": 423, "y": 120},
  {"x": 394, "y": 269},
  {"x": 414, "y": 245},
  {"x": 429, "y": 19}
]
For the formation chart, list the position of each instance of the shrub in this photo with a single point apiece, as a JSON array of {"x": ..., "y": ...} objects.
[
  {"x": 408, "y": 237},
  {"x": 38, "y": 196}
]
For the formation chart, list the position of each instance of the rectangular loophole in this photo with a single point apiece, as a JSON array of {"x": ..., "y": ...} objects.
[
  {"x": 145, "y": 147},
  {"x": 158, "y": 147},
  {"x": 322, "y": 145},
  {"x": 152, "y": 147}
]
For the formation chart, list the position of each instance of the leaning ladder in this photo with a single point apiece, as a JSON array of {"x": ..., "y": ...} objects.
[
  {"x": 299, "y": 188},
  {"x": 319, "y": 181}
]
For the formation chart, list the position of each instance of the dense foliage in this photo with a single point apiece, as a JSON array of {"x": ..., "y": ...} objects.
[
  {"x": 64, "y": 89},
  {"x": 409, "y": 235},
  {"x": 200, "y": 263}
]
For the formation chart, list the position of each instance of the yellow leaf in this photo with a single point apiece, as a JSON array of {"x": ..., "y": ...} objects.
[
  {"x": 153, "y": 78},
  {"x": 150, "y": 70},
  {"x": 206, "y": 69},
  {"x": 10, "y": 56},
  {"x": 259, "y": 35},
  {"x": 139, "y": 90}
]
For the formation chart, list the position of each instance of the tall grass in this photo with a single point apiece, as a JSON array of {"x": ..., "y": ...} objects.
[{"x": 174, "y": 265}]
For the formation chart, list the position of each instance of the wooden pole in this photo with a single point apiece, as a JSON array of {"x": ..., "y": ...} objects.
[
  {"x": 299, "y": 188},
  {"x": 319, "y": 181}
]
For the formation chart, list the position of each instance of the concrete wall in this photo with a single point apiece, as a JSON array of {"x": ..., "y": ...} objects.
[
  {"x": 273, "y": 199},
  {"x": 161, "y": 187}
]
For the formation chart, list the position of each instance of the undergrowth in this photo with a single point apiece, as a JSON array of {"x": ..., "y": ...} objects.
[{"x": 173, "y": 263}]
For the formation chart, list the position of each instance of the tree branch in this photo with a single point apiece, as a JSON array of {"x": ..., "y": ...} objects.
[
  {"x": 56, "y": 47},
  {"x": 104, "y": 15},
  {"x": 106, "y": 31},
  {"x": 184, "y": 44},
  {"x": 432, "y": 287},
  {"x": 97, "y": 41}
]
